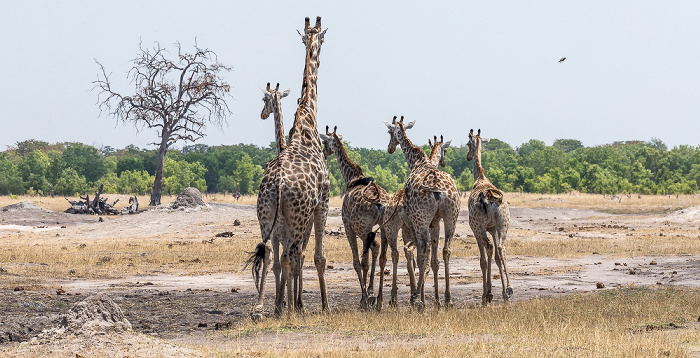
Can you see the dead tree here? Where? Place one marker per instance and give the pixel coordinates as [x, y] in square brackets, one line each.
[133, 207]
[176, 97]
[95, 206]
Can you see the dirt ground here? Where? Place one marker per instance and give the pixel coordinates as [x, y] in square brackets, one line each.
[171, 308]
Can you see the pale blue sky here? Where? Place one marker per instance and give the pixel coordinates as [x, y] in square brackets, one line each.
[632, 69]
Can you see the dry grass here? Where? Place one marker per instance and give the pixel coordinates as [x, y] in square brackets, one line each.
[626, 205]
[615, 323]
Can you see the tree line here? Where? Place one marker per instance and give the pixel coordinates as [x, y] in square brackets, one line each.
[38, 168]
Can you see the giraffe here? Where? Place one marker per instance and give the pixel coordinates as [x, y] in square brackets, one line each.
[295, 190]
[488, 212]
[438, 147]
[362, 209]
[272, 105]
[429, 195]
[272, 99]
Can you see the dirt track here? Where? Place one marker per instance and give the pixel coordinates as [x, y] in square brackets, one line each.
[175, 307]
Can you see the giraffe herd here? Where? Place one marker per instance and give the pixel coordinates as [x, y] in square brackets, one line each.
[294, 193]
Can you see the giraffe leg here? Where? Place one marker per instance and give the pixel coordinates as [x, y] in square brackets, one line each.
[265, 270]
[446, 253]
[375, 252]
[320, 216]
[395, 266]
[483, 262]
[277, 269]
[408, 248]
[422, 240]
[382, 264]
[279, 302]
[352, 240]
[293, 259]
[434, 263]
[300, 291]
[500, 257]
[489, 260]
[365, 264]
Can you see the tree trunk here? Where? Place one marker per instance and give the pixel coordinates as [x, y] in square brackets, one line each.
[158, 182]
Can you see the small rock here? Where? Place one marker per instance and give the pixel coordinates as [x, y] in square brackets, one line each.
[386, 272]
[329, 267]
[571, 235]
[18, 288]
[60, 291]
[617, 264]
[652, 263]
[236, 223]
[202, 325]
[624, 264]
[675, 272]
[234, 289]
[599, 285]
[225, 233]
[632, 272]
[100, 219]
[496, 276]
[658, 283]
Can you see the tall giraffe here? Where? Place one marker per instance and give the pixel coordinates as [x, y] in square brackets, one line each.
[296, 190]
[488, 212]
[362, 209]
[429, 195]
[272, 99]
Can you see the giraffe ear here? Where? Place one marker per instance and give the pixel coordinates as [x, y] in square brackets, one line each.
[263, 90]
[340, 137]
[409, 125]
[446, 145]
[389, 125]
[284, 93]
[485, 140]
[324, 137]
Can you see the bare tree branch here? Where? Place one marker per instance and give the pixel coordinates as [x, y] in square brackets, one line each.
[178, 97]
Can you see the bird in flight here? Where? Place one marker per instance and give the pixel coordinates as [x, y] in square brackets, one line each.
[562, 59]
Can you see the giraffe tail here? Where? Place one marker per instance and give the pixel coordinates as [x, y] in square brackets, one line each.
[484, 204]
[256, 261]
[369, 242]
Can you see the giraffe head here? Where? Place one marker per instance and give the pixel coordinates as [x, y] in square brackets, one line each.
[314, 34]
[397, 130]
[331, 142]
[438, 150]
[474, 143]
[271, 98]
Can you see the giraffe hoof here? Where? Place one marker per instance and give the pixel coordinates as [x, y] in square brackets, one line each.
[393, 303]
[448, 305]
[509, 291]
[256, 317]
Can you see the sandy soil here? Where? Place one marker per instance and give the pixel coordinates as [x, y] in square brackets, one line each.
[165, 309]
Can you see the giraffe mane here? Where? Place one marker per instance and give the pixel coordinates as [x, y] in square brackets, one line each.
[345, 154]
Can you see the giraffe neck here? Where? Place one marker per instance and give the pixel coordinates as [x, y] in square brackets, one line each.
[304, 130]
[350, 170]
[415, 156]
[478, 169]
[434, 158]
[279, 126]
